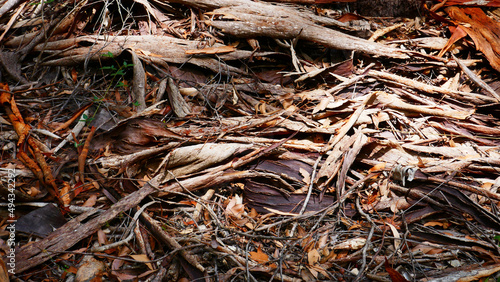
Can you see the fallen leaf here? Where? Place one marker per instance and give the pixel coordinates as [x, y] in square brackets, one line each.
[377, 167]
[235, 207]
[313, 256]
[143, 258]
[395, 276]
[90, 202]
[259, 256]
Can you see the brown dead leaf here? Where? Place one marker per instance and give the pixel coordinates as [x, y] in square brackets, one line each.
[313, 257]
[90, 270]
[445, 224]
[457, 34]
[395, 276]
[253, 213]
[377, 167]
[235, 207]
[259, 256]
[143, 258]
[101, 237]
[426, 249]
[90, 202]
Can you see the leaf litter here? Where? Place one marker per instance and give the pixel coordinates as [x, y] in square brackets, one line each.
[241, 140]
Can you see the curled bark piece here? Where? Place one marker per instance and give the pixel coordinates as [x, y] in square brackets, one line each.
[139, 83]
[394, 102]
[179, 105]
[472, 97]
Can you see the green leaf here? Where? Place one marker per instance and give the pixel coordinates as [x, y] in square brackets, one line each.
[112, 67]
[119, 72]
[44, 2]
[109, 55]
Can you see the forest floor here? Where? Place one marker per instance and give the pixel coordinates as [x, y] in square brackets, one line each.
[248, 141]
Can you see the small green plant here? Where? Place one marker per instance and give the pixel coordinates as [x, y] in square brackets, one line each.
[86, 118]
[44, 2]
[108, 54]
[97, 99]
[117, 72]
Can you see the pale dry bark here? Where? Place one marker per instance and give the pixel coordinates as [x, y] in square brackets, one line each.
[253, 19]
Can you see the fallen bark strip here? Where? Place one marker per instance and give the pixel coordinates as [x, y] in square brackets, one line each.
[453, 131]
[460, 186]
[451, 200]
[262, 19]
[471, 274]
[471, 97]
[157, 49]
[476, 79]
[394, 102]
[351, 121]
[72, 232]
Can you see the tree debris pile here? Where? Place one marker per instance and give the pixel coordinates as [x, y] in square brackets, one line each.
[249, 141]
